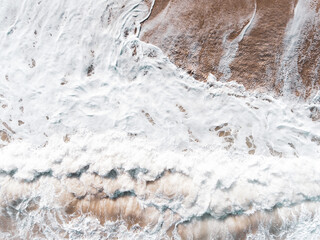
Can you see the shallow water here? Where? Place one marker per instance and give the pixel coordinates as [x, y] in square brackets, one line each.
[105, 138]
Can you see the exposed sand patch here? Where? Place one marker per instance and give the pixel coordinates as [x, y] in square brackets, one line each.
[240, 40]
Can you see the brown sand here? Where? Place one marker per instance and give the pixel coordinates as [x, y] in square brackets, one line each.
[91, 195]
[197, 34]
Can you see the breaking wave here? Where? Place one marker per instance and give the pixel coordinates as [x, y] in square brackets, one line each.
[103, 137]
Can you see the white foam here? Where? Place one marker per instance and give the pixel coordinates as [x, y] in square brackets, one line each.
[137, 110]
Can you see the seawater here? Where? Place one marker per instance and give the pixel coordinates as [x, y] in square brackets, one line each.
[107, 139]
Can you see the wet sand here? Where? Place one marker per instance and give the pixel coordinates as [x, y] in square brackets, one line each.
[204, 37]
[96, 196]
